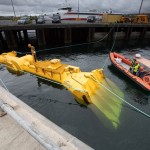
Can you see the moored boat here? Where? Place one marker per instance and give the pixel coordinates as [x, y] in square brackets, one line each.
[67, 13]
[123, 64]
[70, 14]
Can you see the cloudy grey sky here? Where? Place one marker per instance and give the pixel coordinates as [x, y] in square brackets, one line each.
[26, 7]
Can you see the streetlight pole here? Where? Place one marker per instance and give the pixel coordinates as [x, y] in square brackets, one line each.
[140, 7]
[13, 8]
[78, 10]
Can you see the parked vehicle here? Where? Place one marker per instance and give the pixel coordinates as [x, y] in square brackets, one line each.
[40, 20]
[91, 19]
[24, 20]
[56, 18]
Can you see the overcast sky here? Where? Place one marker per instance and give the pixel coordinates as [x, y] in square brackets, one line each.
[26, 7]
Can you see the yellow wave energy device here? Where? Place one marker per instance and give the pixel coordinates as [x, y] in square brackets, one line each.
[85, 86]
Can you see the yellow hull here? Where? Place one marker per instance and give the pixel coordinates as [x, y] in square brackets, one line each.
[87, 87]
[80, 84]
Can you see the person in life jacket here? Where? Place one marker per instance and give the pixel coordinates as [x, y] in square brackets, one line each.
[133, 63]
[136, 68]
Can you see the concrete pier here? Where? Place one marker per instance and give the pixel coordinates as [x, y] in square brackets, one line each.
[11, 39]
[2, 42]
[41, 37]
[61, 34]
[143, 33]
[68, 36]
[22, 125]
[128, 33]
[19, 36]
[2, 112]
[25, 36]
[13, 136]
[90, 36]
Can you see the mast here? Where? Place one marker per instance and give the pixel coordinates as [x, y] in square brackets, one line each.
[13, 8]
[78, 10]
[140, 7]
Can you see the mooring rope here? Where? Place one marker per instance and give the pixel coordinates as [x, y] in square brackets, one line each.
[111, 48]
[74, 45]
[142, 112]
[4, 84]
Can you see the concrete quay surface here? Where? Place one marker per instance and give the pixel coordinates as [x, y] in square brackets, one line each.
[14, 137]
[23, 128]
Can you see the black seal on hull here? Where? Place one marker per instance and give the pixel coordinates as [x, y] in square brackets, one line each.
[85, 99]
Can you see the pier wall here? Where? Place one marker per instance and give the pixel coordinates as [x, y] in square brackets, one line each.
[64, 34]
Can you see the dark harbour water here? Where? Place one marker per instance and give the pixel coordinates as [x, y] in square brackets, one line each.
[58, 105]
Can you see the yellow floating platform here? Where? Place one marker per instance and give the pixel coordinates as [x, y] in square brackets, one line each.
[81, 84]
[87, 87]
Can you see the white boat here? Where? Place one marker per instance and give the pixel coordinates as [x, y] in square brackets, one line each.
[67, 13]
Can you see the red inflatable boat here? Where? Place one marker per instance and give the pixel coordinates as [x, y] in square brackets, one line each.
[123, 64]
